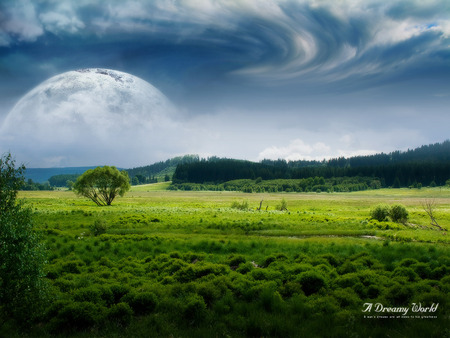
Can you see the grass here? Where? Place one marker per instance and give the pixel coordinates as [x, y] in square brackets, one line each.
[185, 264]
[153, 211]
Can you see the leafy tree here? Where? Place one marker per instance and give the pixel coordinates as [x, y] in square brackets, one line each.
[22, 256]
[380, 212]
[398, 213]
[102, 184]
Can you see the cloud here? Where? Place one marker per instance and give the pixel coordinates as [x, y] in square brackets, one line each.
[18, 21]
[296, 150]
[57, 22]
[278, 40]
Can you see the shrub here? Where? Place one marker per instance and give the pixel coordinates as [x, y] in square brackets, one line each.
[270, 300]
[399, 295]
[89, 294]
[380, 212]
[120, 314]
[118, 291]
[347, 297]
[78, 316]
[240, 206]
[99, 227]
[234, 260]
[407, 262]
[422, 269]
[143, 303]
[212, 291]
[311, 282]
[332, 260]
[194, 309]
[282, 206]
[373, 291]
[409, 273]
[398, 213]
[245, 268]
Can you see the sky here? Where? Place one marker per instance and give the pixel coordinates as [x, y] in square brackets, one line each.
[251, 79]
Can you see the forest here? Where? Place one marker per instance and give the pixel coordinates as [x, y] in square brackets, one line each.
[425, 166]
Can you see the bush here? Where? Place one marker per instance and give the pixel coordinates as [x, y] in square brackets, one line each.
[78, 316]
[120, 314]
[311, 282]
[240, 206]
[380, 212]
[405, 272]
[88, 294]
[398, 213]
[234, 260]
[399, 295]
[282, 206]
[194, 309]
[99, 227]
[143, 303]
[118, 291]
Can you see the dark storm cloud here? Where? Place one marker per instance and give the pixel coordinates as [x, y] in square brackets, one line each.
[277, 41]
[304, 58]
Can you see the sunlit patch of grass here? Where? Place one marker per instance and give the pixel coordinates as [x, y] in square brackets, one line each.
[210, 212]
[151, 187]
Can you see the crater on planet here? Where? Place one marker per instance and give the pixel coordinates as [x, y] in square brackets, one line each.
[102, 71]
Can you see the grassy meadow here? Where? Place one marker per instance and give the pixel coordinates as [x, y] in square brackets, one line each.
[180, 264]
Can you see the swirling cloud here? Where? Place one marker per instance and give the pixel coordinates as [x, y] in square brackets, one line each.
[262, 40]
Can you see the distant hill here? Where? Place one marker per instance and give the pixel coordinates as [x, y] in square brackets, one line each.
[146, 174]
[427, 165]
[41, 175]
[157, 171]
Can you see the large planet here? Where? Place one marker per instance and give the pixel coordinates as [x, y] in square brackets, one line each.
[90, 117]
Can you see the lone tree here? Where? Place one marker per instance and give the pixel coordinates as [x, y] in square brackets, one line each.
[102, 184]
[22, 255]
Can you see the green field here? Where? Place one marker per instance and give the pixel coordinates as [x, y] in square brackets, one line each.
[177, 264]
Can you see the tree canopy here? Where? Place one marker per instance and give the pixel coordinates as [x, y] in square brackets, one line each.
[427, 165]
[102, 184]
[22, 255]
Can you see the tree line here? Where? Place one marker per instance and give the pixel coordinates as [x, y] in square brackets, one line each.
[164, 169]
[310, 184]
[424, 166]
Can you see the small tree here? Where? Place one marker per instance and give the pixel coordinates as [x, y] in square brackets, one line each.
[398, 213]
[380, 212]
[22, 256]
[102, 184]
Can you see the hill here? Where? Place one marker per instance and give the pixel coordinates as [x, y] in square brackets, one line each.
[41, 175]
[159, 170]
[146, 174]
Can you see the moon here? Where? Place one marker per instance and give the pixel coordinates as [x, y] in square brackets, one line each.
[91, 117]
